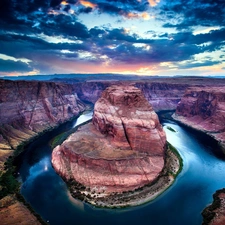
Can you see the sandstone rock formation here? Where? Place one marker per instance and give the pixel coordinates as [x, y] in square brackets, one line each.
[214, 214]
[122, 149]
[162, 93]
[27, 108]
[124, 115]
[204, 109]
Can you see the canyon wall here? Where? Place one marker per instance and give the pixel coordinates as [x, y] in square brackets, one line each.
[123, 149]
[204, 109]
[163, 95]
[28, 108]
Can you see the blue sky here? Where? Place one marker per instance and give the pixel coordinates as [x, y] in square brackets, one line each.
[145, 37]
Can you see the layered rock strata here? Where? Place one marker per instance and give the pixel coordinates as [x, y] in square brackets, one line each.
[28, 108]
[204, 109]
[122, 149]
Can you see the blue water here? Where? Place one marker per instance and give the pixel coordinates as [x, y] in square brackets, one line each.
[181, 204]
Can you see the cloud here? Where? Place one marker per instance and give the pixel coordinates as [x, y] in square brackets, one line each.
[50, 31]
[14, 66]
[153, 2]
[183, 14]
[199, 64]
[88, 4]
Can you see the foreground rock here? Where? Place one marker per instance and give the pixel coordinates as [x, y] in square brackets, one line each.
[204, 109]
[122, 150]
[215, 213]
[14, 212]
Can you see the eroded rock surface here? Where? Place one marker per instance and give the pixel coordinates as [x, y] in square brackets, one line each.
[122, 149]
[28, 108]
[214, 214]
[204, 109]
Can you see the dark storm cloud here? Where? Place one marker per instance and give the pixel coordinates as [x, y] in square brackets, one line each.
[14, 66]
[183, 14]
[29, 47]
[63, 25]
[174, 47]
[121, 6]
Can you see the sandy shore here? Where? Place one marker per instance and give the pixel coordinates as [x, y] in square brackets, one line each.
[173, 166]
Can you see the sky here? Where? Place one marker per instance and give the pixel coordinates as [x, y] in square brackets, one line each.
[143, 37]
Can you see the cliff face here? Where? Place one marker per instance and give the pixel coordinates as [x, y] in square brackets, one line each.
[214, 214]
[121, 150]
[126, 116]
[204, 109]
[164, 95]
[27, 108]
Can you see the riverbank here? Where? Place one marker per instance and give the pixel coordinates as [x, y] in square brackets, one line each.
[214, 213]
[173, 166]
[13, 207]
[220, 148]
[13, 211]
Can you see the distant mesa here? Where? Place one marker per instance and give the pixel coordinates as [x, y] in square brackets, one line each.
[121, 150]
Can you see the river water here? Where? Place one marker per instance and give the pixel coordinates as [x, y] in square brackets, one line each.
[181, 204]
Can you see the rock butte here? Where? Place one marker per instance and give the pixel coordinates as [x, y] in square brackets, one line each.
[122, 149]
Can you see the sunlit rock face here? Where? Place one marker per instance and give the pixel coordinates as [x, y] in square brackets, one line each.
[204, 109]
[124, 115]
[122, 149]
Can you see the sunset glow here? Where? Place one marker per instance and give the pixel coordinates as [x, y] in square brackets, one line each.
[145, 37]
[87, 4]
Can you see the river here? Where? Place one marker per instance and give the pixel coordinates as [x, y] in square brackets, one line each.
[181, 204]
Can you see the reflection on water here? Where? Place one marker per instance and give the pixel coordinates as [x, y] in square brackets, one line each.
[182, 203]
[83, 118]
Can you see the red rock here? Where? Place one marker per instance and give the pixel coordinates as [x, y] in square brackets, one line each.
[204, 109]
[122, 150]
[27, 108]
[125, 115]
[214, 214]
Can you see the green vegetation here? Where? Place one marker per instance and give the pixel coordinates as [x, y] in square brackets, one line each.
[174, 150]
[9, 185]
[171, 129]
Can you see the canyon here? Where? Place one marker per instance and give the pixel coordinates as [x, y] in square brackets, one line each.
[28, 108]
